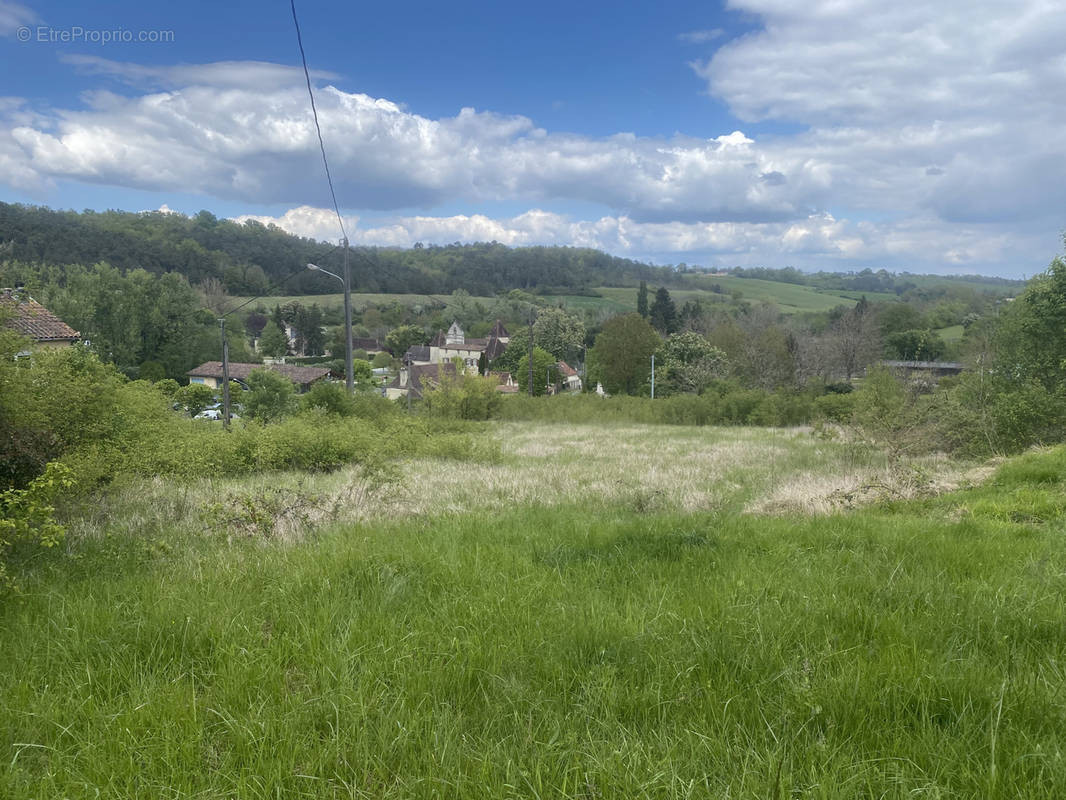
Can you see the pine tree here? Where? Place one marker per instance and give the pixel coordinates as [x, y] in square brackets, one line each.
[663, 312]
[642, 299]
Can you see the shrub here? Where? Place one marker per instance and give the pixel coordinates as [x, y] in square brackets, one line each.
[463, 396]
[270, 396]
[27, 516]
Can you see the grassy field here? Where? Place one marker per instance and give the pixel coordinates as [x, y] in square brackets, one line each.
[604, 612]
[791, 298]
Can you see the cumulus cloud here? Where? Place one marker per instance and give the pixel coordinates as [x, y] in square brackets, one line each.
[894, 93]
[244, 132]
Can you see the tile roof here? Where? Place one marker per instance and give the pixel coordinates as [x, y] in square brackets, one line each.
[239, 371]
[567, 370]
[420, 373]
[417, 352]
[498, 331]
[32, 319]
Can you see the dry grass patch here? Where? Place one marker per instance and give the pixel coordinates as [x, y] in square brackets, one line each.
[635, 467]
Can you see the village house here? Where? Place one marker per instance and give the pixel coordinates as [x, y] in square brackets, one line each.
[24, 315]
[447, 346]
[416, 378]
[210, 374]
[569, 379]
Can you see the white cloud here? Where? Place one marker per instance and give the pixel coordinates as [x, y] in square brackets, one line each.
[702, 36]
[254, 75]
[14, 16]
[818, 241]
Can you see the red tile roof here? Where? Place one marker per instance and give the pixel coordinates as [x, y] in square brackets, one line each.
[32, 319]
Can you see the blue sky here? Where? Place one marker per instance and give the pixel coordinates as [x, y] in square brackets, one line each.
[837, 135]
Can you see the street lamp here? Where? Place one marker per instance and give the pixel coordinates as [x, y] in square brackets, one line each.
[346, 281]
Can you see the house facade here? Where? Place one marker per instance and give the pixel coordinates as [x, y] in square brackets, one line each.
[454, 344]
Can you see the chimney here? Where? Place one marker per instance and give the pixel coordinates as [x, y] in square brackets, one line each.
[403, 377]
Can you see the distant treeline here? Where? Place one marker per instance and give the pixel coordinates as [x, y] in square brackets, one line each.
[251, 258]
[867, 280]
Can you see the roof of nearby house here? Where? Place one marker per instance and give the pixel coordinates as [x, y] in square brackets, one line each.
[566, 370]
[32, 319]
[240, 372]
[420, 373]
[470, 346]
[416, 352]
[366, 344]
[494, 349]
[498, 331]
[930, 365]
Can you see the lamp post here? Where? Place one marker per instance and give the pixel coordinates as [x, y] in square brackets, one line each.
[346, 281]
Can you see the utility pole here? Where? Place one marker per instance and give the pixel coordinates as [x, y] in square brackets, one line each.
[225, 374]
[348, 364]
[653, 376]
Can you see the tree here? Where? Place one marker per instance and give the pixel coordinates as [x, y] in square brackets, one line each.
[916, 345]
[195, 397]
[270, 396]
[622, 353]
[545, 372]
[517, 349]
[642, 299]
[400, 339]
[1030, 339]
[853, 340]
[559, 333]
[273, 342]
[310, 338]
[381, 359]
[691, 363]
[663, 312]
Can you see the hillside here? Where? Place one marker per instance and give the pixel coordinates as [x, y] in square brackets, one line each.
[253, 259]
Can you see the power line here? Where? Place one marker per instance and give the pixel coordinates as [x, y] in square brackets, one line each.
[314, 113]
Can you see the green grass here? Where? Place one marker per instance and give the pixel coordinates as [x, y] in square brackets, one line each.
[791, 298]
[563, 650]
[951, 334]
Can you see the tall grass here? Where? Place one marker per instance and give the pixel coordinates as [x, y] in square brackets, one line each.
[548, 654]
[553, 651]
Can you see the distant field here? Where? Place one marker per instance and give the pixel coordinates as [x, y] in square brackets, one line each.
[790, 298]
[951, 334]
[360, 300]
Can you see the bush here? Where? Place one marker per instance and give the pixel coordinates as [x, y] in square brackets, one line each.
[27, 516]
[463, 396]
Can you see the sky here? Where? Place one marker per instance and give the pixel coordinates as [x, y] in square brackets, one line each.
[829, 134]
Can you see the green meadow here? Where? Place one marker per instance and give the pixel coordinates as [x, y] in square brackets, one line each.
[594, 611]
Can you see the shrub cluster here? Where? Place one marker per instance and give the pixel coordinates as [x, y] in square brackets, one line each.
[726, 403]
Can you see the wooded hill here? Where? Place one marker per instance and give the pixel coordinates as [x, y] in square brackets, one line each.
[254, 259]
